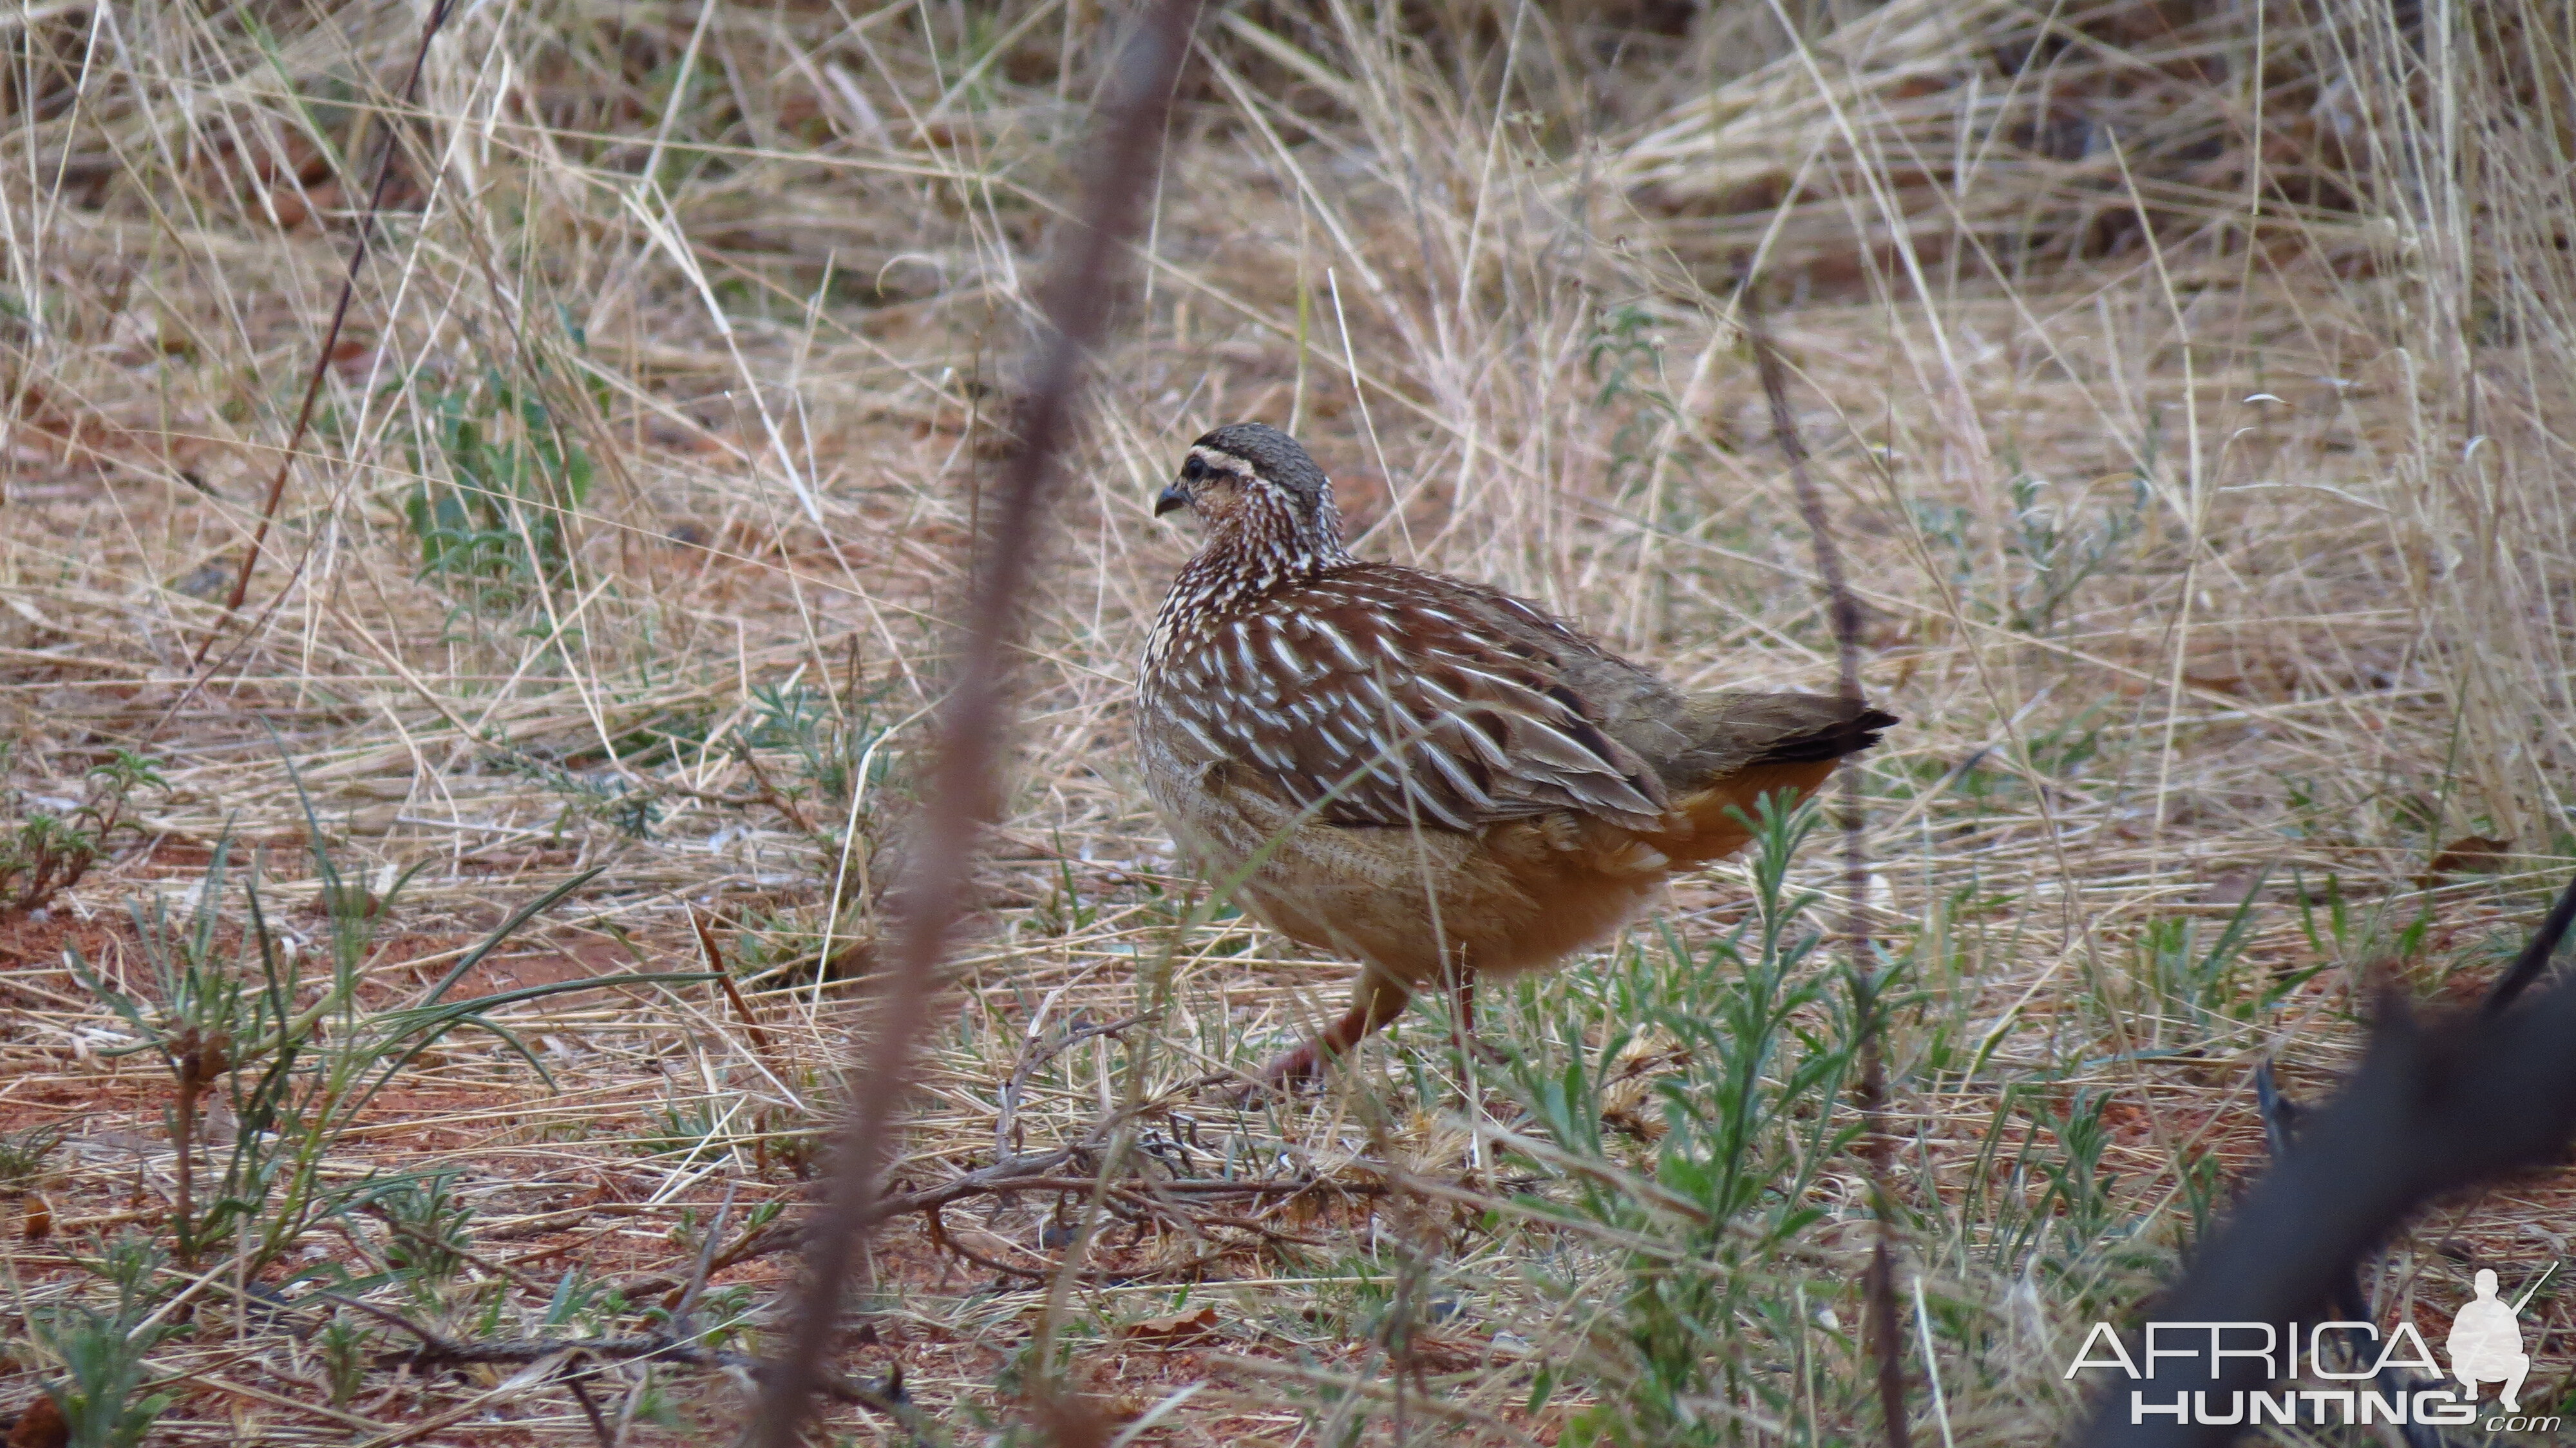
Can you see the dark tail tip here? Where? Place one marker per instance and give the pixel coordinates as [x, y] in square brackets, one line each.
[1833, 741]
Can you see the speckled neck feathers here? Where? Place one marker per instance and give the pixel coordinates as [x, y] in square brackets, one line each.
[1256, 549]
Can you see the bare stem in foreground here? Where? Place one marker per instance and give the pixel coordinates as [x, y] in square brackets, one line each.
[1844, 610]
[962, 786]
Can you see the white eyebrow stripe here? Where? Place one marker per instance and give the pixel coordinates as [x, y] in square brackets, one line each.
[1222, 462]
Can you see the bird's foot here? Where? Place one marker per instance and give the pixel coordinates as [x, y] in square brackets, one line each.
[1303, 1066]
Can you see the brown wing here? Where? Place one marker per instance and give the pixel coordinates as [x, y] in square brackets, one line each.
[1390, 697]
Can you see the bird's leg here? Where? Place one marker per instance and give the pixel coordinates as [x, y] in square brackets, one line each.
[1375, 1002]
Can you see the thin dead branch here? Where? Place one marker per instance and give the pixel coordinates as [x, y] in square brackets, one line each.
[1887, 1342]
[714, 956]
[1035, 1055]
[962, 789]
[393, 127]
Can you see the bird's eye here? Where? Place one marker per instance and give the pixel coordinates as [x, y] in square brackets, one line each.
[1194, 469]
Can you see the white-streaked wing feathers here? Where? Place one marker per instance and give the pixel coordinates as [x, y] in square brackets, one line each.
[1384, 703]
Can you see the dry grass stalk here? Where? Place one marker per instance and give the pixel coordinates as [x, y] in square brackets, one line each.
[330, 336]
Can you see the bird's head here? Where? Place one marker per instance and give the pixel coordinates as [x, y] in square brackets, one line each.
[1253, 486]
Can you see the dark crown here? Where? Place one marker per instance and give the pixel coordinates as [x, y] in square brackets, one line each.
[1273, 455]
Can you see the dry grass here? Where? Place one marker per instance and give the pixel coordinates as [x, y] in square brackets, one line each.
[2196, 426]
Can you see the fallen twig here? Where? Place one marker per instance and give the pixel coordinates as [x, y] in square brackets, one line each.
[1038, 1174]
[589, 1409]
[434, 1352]
[1030, 1060]
[724, 980]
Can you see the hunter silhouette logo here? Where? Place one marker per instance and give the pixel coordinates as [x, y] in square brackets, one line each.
[2486, 1341]
[2344, 1372]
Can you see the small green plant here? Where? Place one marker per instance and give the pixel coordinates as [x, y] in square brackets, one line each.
[2205, 985]
[23, 1154]
[791, 947]
[2079, 1186]
[499, 479]
[1625, 363]
[653, 1405]
[297, 1061]
[105, 1393]
[428, 1226]
[611, 799]
[684, 1130]
[581, 1300]
[344, 1357]
[2050, 550]
[2039, 1200]
[1762, 1047]
[2060, 554]
[726, 1313]
[835, 754]
[1068, 909]
[46, 853]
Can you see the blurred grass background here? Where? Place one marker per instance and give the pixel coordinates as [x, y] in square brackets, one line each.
[2190, 381]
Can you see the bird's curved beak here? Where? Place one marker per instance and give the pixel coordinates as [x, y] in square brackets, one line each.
[1171, 497]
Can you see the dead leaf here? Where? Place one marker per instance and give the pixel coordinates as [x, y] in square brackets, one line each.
[1179, 1327]
[40, 1425]
[2467, 855]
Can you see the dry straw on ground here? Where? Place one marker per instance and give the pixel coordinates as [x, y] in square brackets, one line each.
[2188, 379]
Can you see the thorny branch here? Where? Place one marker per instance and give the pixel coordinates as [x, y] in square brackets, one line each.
[962, 789]
[1844, 609]
[1033, 1056]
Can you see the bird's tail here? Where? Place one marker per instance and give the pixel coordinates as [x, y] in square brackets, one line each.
[1755, 744]
[1848, 734]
